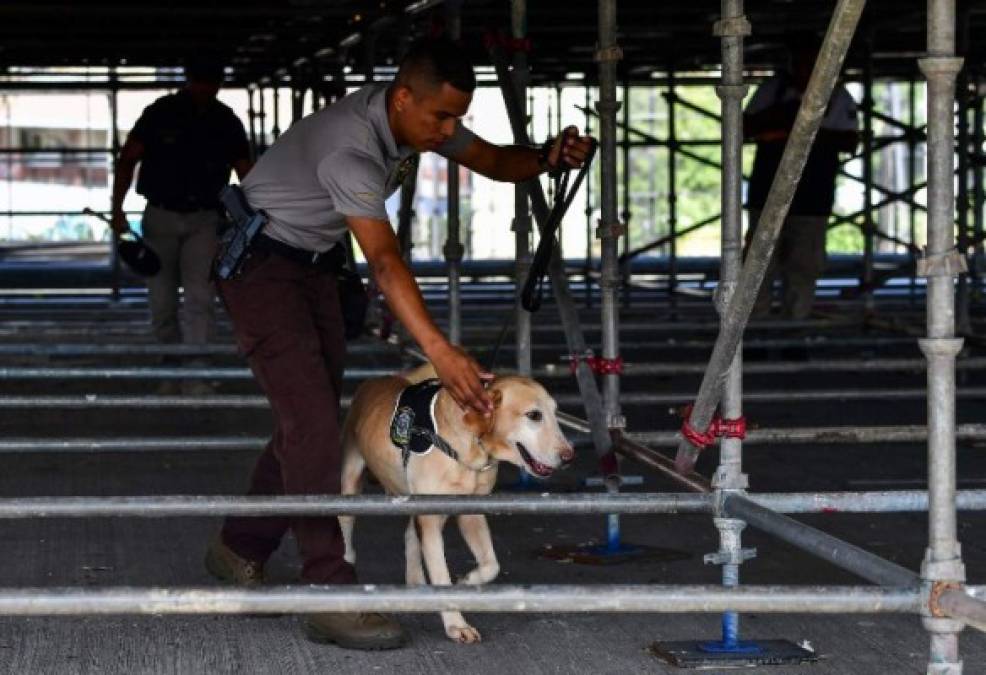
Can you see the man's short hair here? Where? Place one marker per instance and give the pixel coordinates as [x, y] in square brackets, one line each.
[434, 61]
[204, 69]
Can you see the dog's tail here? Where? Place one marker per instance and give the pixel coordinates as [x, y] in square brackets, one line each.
[425, 371]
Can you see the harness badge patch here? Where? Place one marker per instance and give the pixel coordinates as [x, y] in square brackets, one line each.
[400, 429]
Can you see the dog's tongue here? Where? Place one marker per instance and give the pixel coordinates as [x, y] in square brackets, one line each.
[539, 468]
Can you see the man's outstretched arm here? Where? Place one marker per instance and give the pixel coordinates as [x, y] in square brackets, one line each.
[517, 163]
[459, 372]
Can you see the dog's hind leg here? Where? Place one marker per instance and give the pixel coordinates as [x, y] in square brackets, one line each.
[415, 574]
[476, 531]
[433, 550]
[353, 469]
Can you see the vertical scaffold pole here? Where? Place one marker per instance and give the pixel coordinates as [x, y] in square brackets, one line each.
[610, 229]
[978, 193]
[252, 117]
[626, 272]
[941, 263]
[275, 129]
[912, 172]
[729, 478]
[453, 245]
[522, 214]
[588, 210]
[806, 125]
[672, 197]
[869, 220]
[262, 120]
[962, 319]
[115, 270]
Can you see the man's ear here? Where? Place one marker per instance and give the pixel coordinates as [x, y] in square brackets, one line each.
[483, 426]
[402, 97]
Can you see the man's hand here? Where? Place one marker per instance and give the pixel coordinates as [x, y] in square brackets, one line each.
[119, 223]
[569, 149]
[463, 378]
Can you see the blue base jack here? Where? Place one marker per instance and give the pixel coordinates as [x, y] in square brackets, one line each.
[694, 654]
[731, 652]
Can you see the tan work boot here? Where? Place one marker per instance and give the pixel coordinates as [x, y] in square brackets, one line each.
[224, 564]
[356, 630]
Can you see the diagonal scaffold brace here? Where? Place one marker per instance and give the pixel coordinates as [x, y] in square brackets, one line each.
[574, 338]
[823, 79]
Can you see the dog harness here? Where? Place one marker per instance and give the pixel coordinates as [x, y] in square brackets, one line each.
[412, 428]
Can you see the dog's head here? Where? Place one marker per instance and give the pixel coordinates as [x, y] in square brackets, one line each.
[523, 428]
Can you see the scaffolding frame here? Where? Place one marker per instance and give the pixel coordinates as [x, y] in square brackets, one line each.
[938, 593]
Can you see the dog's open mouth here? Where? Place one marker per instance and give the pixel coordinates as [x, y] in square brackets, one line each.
[536, 467]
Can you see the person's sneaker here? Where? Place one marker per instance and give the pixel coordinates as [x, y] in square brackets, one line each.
[224, 564]
[356, 630]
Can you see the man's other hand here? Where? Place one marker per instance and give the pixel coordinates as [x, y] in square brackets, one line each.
[569, 149]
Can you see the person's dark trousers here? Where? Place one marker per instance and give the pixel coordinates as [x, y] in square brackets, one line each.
[288, 324]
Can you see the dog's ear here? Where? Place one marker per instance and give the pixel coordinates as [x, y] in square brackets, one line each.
[483, 426]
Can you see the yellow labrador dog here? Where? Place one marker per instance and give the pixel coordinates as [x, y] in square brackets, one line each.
[386, 431]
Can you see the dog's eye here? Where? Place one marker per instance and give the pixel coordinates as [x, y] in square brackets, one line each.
[535, 416]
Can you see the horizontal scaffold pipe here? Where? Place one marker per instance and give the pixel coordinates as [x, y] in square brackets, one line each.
[551, 371]
[86, 401]
[367, 598]
[141, 349]
[882, 434]
[166, 506]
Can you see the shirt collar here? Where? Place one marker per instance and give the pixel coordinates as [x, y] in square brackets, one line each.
[378, 118]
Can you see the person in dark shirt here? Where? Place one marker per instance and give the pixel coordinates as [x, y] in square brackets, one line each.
[186, 143]
[768, 119]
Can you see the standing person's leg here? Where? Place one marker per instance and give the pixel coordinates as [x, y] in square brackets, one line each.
[273, 307]
[804, 263]
[761, 307]
[198, 248]
[162, 232]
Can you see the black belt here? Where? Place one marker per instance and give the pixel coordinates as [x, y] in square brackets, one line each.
[333, 259]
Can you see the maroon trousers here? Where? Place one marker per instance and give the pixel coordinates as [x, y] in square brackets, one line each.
[288, 324]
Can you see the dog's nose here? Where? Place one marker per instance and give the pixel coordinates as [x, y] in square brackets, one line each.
[567, 454]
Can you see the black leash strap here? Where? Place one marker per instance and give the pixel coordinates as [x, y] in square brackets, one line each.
[533, 292]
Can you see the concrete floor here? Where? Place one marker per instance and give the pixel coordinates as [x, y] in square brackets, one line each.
[119, 552]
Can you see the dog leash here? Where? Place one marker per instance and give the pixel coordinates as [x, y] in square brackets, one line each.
[533, 291]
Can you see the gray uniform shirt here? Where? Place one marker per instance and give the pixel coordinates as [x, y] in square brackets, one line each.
[341, 161]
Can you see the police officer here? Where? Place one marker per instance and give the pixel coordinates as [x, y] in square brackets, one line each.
[330, 174]
[186, 143]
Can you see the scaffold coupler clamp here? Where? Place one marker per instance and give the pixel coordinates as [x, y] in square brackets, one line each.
[938, 576]
[730, 551]
[732, 26]
[599, 365]
[718, 428]
[948, 263]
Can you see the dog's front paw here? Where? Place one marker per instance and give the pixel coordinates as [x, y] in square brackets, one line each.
[464, 634]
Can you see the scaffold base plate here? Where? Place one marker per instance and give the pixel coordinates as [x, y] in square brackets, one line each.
[689, 654]
[601, 554]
